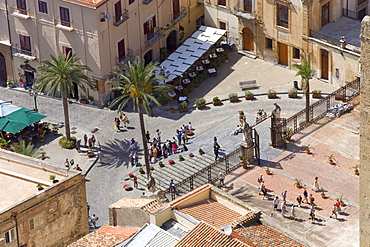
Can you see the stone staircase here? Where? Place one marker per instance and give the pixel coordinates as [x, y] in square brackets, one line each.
[182, 170]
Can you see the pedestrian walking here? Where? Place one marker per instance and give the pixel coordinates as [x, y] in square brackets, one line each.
[264, 193]
[315, 186]
[312, 214]
[125, 120]
[276, 202]
[136, 158]
[78, 145]
[292, 211]
[93, 140]
[299, 200]
[85, 139]
[147, 136]
[311, 199]
[71, 162]
[283, 208]
[90, 141]
[337, 205]
[216, 152]
[100, 156]
[334, 212]
[260, 178]
[158, 135]
[221, 177]
[283, 194]
[77, 167]
[174, 147]
[93, 220]
[135, 182]
[179, 137]
[117, 123]
[172, 186]
[305, 196]
[67, 164]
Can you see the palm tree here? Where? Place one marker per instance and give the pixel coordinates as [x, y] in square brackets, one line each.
[60, 74]
[27, 148]
[305, 72]
[137, 83]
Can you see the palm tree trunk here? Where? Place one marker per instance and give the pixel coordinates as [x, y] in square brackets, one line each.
[307, 101]
[145, 146]
[66, 116]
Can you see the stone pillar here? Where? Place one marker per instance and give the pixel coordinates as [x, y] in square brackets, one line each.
[248, 151]
[365, 134]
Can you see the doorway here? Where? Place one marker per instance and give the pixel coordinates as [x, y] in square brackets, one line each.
[324, 64]
[171, 42]
[148, 57]
[248, 39]
[283, 53]
[3, 75]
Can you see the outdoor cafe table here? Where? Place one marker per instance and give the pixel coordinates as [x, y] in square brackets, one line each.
[192, 75]
[199, 68]
[220, 50]
[206, 62]
[213, 55]
[185, 82]
[172, 95]
[212, 71]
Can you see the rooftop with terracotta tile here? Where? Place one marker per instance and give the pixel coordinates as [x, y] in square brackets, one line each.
[105, 236]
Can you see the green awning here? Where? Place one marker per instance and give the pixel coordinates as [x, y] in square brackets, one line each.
[26, 116]
[11, 126]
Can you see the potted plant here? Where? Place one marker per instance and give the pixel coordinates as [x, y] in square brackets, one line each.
[356, 169]
[83, 101]
[91, 99]
[55, 130]
[131, 175]
[42, 137]
[127, 187]
[323, 193]
[141, 170]
[268, 171]
[298, 183]
[243, 161]
[181, 158]
[3, 143]
[271, 93]
[331, 159]
[151, 168]
[288, 133]
[10, 83]
[308, 148]
[53, 179]
[171, 162]
[339, 97]
[39, 187]
[191, 155]
[293, 93]
[200, 103]
[90, 154]
[248, 95]
[316, 94]
[216, 101]
[160, 163]
[172, 110]
[200, 151]
[233, 97]
[183, 106]
[46, 127]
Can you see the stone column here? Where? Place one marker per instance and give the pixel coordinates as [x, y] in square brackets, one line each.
[365, 134]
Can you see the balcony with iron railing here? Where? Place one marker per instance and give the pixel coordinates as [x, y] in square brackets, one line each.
[121, 19]
[64, 25]
[179, 16]
[240, 12]
[28, 55]
[153, 35]
[128, 57]
[20, 13]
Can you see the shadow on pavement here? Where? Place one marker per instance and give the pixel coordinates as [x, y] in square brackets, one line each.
[115, 153]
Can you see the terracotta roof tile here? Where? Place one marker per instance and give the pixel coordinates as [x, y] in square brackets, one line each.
[86, 3]
[211, 212]
[259, 235]
[146, 204]
[205, 235]
[105, 236]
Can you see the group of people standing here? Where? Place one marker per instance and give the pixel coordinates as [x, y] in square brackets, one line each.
[122, 118]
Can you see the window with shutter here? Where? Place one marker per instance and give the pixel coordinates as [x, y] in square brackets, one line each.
[149, 27]
[64, 17]
[118, 10]
[21, 6]
[25, 42]
[43, 7]
[66, 50]
[131, 1]
[222, 2]
[282, 15]
[121, 50]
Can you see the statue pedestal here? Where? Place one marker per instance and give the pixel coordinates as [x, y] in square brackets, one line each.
[248, 151]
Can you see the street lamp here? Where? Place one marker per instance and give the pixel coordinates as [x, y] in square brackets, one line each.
[33, 94]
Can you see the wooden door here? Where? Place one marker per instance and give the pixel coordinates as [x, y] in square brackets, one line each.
[3, 75]
[248, 41]
[283, 53]
[175, 9]
[324, 64]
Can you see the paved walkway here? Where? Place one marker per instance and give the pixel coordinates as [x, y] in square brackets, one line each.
[106, 179]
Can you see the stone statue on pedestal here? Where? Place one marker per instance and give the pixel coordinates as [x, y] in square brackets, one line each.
[247, 133]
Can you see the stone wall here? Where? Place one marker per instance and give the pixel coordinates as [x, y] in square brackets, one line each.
[127, 217]
[59, 215]
[365, 134]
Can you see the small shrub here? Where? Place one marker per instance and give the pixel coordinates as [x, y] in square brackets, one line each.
[183, 105]
[151, 168]
[215, 99]
[316, 91]
[271, 91]
[248, 93]
[52, 177]
[64, 143]
[293, 91]
[180, 157]
[301, 124]
[3, 142]
[200, 101]
[233, 95]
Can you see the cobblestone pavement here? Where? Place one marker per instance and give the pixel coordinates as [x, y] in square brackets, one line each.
[107, 178]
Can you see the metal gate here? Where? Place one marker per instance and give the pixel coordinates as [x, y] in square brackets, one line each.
[256, 141]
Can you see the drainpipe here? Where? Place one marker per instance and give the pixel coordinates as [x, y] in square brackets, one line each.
[347, 9]
[14, 216]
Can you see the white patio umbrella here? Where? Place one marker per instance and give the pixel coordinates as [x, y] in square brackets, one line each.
[7, 108]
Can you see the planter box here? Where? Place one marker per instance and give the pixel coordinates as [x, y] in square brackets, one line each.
[339, 97]
[233, 99]
[201, 106]
[216, 102]
[84, 101]
[183, 110]
[271, 96]
[316, 95]
[249, 97]
[293, 95]
[172, 110]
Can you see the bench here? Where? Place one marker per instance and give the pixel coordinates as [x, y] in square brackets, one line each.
[248, 84]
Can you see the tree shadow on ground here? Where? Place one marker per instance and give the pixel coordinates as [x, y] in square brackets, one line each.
[116, 153]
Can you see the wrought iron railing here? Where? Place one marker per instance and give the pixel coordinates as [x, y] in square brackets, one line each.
[319, 109]
[227, 164]
[179, 16]
[16, 50]
[350, 14]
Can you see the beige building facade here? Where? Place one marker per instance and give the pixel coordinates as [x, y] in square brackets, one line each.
[54, 216]
[103, 33]
[284, 32]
